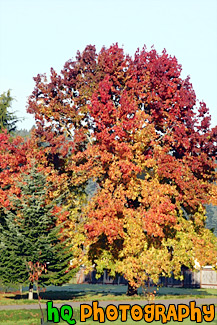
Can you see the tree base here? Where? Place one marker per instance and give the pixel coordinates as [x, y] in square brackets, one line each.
[30, 291]
[132, 290]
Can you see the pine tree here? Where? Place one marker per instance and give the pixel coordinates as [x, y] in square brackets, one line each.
[11, 268]
[29, 234]
[8, 120]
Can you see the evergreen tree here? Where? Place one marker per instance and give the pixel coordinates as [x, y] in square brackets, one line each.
[29, 234]
[12, 270]
[8, 119]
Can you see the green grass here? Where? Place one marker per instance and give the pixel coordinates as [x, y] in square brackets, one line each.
[20, 317]
[82, 292]
[32, 317]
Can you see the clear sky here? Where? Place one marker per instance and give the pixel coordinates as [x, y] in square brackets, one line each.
[36, 35]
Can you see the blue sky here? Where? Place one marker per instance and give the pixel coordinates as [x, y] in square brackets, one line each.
[38, 35]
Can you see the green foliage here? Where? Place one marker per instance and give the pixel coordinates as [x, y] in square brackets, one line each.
[12, 268]
[29, 234]
[7, 119]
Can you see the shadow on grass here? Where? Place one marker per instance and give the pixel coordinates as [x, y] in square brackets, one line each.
[101, 292]
[63, 295]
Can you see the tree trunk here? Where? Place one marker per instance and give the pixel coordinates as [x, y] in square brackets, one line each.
[21, 289]
[132, 290]
[39, 302]
[31, 291]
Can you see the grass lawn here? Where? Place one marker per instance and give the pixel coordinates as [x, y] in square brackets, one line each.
[32, 317]
[82, 292]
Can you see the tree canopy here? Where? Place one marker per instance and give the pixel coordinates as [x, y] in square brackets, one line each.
[135, 127]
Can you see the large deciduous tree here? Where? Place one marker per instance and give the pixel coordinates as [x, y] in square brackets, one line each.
[135, 128]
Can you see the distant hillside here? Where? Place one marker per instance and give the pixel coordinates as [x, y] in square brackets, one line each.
[211, 222]
[23, 133]
[91, 189]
